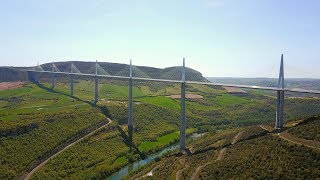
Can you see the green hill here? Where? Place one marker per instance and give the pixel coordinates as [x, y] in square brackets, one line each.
[10, 74]
[245, 153]
[115, 69]
[37, 121]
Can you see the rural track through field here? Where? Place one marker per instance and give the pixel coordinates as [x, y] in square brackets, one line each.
[28, 176]
[291, 138]
[219, 158]
[183, 162]
[221, 154]
[267, 128]
[150, 173]
[236, 138]
[300, 141]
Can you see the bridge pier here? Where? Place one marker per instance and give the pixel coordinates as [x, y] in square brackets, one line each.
[71, 85]
[96, 91]
[130, 106]
[183, 110]
[52, 77]
[96, 84]
[53, 83]
[31, 76]
[280, 109]
[280, 97]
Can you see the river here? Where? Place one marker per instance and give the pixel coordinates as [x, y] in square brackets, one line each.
[134, 166]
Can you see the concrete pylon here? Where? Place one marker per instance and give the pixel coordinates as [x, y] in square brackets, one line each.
[130, 106]
[183, 109]
[96, 84]
[31, 76]
[71, 82]
[280, 97]
[52, 77]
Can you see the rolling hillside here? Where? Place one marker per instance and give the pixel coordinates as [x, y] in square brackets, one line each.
[116, 69]
[50, 119]
[245, 153]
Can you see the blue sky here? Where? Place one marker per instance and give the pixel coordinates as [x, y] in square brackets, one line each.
[242, 38]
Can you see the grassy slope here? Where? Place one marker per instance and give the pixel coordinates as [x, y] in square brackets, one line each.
[259, 157]
[95, 157]
[155, 117]
[162, 101]
[34, 123]
[255, 155]
[309, 129]
[162, 141]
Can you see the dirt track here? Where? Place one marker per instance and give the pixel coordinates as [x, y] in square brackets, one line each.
[309, 143]
[220, 157]
[150, 173]
[188, 96]
[293, 139]
[182, 162]
[28, 176]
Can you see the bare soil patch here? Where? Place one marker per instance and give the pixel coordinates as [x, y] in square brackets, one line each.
[10, 85]
[234, 90]
[267, 128]
[188, 96]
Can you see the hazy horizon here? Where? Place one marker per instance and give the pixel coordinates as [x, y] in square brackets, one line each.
[219, 38]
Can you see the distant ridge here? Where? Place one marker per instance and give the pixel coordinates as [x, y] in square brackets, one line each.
[303, 83]
[115, 69]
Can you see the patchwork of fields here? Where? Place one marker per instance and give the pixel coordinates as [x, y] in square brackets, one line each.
[36, 121]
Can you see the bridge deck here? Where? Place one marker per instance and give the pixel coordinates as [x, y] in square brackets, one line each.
[189, 82]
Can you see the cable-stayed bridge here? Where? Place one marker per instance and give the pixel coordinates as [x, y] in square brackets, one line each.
[133, 73]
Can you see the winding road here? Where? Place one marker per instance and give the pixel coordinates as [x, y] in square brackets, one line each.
[28, 176]
[291, 138]
[221, 154]
[300, 141]
[150, 173]
[182, 162]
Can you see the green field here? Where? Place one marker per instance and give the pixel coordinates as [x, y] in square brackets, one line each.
[95, 157]
[162, 101]
[162, 141]
[36, 121]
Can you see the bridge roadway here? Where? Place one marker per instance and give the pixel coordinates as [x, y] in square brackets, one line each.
[188, 82]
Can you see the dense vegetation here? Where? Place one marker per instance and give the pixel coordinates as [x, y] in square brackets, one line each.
[23, 146]
[256, 154]
[267, 157]
[36, 121]
[308, 129]
[95, 157]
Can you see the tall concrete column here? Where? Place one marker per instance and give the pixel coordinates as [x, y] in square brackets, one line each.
[280, 97]
[52, 76]
[96, 84]
[130, 106]
[31, 76]
[71, 81]
[71, 85]
[183, 110]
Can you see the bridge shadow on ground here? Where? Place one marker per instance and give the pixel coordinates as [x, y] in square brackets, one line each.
[128, 141]
[126, 138]
[93, 104]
